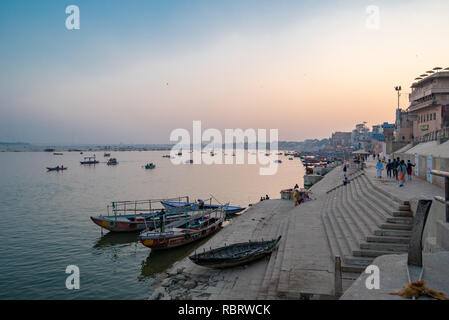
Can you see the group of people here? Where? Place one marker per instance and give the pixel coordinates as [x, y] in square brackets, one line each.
[265, 198]
[397, 168]
[300, 196]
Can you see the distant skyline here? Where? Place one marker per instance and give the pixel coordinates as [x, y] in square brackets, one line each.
[136, 70]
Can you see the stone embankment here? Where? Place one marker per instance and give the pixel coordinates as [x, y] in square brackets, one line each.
[360, 221]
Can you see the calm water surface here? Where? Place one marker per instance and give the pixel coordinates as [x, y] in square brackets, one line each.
[46, 226]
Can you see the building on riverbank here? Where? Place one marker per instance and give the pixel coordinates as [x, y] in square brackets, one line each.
[429, 103]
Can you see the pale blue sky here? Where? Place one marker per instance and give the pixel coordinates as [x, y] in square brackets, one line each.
[138, 69]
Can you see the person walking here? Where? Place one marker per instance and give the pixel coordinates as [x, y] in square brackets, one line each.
[295, 197]
[395, 168]
[389, 168]
[345, 169]
[402, 170]
[380, 168]
[409, 170]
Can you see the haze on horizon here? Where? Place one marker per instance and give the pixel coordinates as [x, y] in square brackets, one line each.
[136, 70]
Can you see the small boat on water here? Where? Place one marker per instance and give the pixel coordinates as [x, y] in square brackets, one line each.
[166, 156]
[184, 231]
[90, 160]
[229, 210]
[150, 165]
[58, 168]
[57, 153]
[277, 161]
[235, 255]
[107, 155]
[112, 162]
[129, 216]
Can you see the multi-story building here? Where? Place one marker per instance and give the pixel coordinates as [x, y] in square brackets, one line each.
[361, 137]
[429, 103]
[340, 139]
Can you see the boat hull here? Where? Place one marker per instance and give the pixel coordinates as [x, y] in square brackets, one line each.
[179, 239]
[218, 258]
[121, 225]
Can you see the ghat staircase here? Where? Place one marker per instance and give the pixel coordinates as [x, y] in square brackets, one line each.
[363, 221]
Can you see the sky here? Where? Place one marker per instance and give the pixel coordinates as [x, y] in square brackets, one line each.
[138, 69]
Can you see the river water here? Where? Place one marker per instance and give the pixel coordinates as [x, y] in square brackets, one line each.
[46, 226]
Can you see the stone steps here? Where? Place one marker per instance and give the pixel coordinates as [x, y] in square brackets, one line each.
[388, 239]
[384, 246]
[361, 223]
[392, 233]
[396, 226]
[267, 281]
[402, 214]
[275, 275]
[371, 253]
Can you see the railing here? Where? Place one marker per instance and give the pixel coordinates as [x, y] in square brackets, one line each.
[444, 200]
[434, 135]
[139, 206]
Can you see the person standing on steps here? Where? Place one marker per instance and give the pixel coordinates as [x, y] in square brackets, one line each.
[380, 168]
[402, 170]
[395, 168]
[409, 170]
[389, 166]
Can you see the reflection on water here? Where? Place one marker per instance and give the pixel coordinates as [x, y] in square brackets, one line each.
[160, 260]
[112, 239]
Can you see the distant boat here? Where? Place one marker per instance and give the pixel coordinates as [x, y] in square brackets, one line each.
[107, 155]
[90, 160]
[166, 156]
[57, 153]
[112, 162]
[235, 254]
[58, 168]
[150, 165]
[277, 161]
[290, 158]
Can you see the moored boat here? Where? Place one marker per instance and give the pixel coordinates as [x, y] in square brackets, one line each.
[128, 216]
[184, 231]
[229, 210]
[235, 254]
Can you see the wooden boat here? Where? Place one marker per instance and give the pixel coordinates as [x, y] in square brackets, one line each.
[229, 210]
[90, 160]
[112, 162]
[235, 255]
[58, 168]
[184, 231]
[138, 215]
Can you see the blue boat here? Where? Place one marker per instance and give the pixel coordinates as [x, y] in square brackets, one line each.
[229, 210]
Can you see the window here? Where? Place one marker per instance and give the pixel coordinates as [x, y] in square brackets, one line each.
[434, 116]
